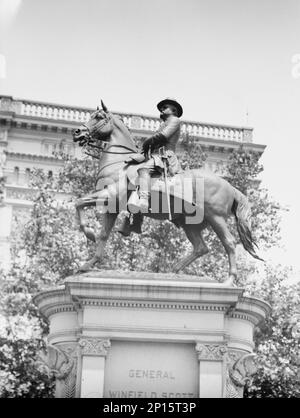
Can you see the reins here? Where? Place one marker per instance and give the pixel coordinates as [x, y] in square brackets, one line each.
[105, 148]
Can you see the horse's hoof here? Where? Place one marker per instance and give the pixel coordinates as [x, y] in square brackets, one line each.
[229, 282]
[176, 270]
[89, 265]
[84, 268]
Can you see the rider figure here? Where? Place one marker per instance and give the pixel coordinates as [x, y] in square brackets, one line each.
[167, 137]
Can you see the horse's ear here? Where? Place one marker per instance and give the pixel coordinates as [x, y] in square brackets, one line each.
[104, 107]
[98, 108]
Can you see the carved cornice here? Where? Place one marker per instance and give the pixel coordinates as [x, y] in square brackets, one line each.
[131, 290]
[154, 305]
[59, 309]
[243, 316]
[94, 347]
[208, 351]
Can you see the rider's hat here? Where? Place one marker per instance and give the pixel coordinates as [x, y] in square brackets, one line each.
[172, 102]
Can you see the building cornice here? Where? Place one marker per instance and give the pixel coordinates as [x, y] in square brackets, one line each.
[22, 156]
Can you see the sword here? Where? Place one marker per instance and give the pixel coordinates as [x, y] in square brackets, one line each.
[164, 159]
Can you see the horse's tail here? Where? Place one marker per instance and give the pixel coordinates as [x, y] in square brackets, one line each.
[242, 211]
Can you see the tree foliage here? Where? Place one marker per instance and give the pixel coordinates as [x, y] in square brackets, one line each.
[277, 346]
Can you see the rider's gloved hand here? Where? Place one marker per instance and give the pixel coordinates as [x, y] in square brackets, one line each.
[147, 144]
[155, 141]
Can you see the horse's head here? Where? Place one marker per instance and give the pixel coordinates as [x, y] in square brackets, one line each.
[99, 127]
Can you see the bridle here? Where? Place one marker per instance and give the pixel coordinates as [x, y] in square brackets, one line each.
[105, 146]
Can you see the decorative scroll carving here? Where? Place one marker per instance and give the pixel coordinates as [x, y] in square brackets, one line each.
[62, 362]
[94, 347]
[240, 368]
[210, 351]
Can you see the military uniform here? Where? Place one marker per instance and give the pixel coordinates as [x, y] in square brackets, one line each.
[167, 136]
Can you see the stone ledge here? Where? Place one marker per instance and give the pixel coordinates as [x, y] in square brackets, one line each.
[140, 291]
[141, 275]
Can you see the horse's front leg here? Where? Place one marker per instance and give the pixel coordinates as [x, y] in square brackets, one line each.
[88, 201]
[108, 222]
[81, 218]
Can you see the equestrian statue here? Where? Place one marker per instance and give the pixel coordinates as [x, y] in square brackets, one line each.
[152, 183]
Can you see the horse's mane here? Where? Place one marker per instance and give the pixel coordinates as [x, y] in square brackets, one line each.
[119, 121]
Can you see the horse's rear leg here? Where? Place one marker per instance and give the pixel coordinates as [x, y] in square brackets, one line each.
[194, 234]
[220, 227]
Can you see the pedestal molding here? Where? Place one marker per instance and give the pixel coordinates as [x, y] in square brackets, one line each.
[213, 325]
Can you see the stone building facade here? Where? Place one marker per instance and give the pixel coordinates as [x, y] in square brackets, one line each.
[31, 131]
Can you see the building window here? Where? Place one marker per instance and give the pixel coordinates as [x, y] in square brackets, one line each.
[16, 175]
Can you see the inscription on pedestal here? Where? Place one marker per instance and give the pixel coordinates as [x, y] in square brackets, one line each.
[150, 370]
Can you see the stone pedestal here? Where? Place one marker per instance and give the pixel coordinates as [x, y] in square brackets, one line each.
[117, 334]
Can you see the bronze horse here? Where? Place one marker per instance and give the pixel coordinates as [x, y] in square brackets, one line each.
[221, 199]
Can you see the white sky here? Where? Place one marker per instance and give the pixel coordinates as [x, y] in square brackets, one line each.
[217, 57]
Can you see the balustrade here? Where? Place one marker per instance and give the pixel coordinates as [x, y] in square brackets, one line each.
[132, 121]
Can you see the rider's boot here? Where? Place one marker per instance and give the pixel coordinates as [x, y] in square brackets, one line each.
[126, 228]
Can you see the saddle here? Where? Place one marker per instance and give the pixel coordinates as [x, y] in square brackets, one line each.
[183, 188]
